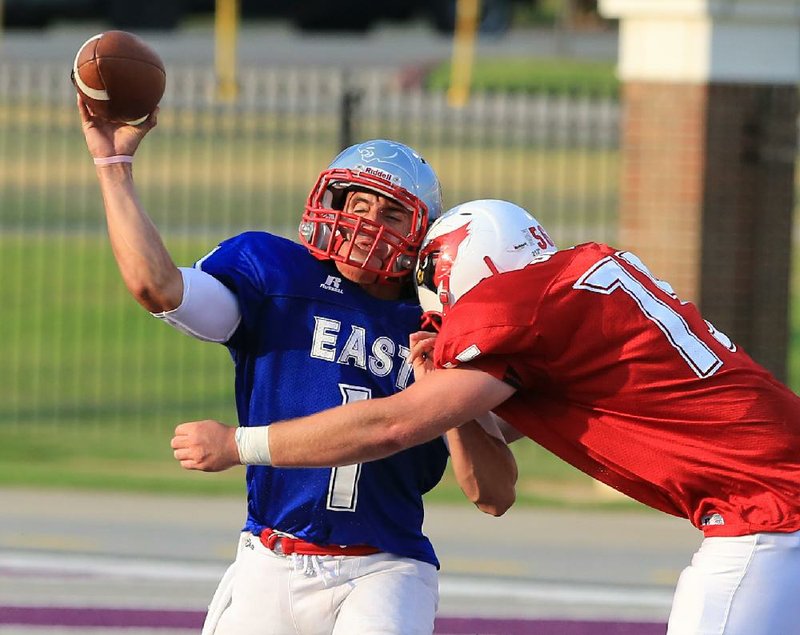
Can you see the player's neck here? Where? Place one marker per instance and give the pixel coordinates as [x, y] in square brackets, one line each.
[367, 281]
[382, 291]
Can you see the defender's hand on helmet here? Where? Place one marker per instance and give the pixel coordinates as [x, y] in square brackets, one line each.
[421, 356]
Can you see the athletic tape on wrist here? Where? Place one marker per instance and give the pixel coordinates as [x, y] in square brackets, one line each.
[253, 445]
[117, 158]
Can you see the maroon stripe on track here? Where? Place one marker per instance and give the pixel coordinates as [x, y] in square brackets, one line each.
[490, 626]
[78, 617]
[100, 617]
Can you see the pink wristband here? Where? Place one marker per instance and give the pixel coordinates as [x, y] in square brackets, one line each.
[118, 158]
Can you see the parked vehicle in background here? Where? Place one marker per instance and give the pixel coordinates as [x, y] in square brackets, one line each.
[123, 14]
[361, 14]
[309, 15]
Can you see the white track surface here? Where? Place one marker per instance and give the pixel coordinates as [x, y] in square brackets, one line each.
[74, 549]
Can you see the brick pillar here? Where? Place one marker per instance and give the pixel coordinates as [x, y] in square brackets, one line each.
[662, 171]
[709, 145]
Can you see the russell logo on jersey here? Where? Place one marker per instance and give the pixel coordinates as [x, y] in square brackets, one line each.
[713, 519]
[332, 283]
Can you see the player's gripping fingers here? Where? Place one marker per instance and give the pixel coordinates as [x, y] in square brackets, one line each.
[421, 344]
[421, 354]
[152, 121]
[183, 430]
[83, 110]
[188, 446]
[184, 452]
[422, 336]
[185, 458]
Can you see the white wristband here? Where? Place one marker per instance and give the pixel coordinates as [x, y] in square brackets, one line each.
[253, 445]
[117, 158]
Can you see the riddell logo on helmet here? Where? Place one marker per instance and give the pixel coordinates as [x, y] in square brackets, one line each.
[382, 175]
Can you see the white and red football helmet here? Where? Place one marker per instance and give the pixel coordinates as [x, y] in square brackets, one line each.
[471, 242]
[387, 168]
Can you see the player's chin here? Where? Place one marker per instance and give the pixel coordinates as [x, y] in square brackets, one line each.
[357, 274]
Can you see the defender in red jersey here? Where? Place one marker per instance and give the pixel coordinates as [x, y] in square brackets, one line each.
[587, 353]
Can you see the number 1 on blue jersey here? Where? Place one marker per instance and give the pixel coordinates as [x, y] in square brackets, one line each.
[343, 486]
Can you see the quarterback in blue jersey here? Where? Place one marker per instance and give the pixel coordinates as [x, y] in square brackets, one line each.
[310, 326]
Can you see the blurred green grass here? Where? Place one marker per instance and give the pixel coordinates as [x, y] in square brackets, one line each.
[551, 76]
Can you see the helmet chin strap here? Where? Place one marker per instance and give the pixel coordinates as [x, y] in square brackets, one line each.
[432, 319]
[446, 298]
[444, 295]
[338, 240]
[492, 267]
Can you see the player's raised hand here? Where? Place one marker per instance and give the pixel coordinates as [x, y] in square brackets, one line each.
[421, 344]
[209, 446]
[109, 138]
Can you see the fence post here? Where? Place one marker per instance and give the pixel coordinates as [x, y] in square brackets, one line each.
[348, 111]
[226, 31]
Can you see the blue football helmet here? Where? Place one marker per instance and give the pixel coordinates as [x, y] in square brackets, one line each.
[389, 169]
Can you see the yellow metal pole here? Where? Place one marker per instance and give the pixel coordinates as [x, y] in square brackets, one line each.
[467, 12]
[226, 28]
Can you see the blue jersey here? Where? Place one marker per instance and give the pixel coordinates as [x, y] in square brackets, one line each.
[310, 340]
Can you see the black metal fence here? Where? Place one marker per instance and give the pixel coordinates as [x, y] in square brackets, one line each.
[78, 352]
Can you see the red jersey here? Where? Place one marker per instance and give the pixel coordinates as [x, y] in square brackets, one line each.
[621, 379]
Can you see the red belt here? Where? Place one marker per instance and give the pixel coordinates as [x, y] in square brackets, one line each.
[285, 545]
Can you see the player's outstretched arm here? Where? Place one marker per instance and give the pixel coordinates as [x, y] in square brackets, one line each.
[375, 428]
[353, 433]
[144, 262]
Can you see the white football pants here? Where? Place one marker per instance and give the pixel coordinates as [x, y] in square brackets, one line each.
[747, 585]
[264, 593]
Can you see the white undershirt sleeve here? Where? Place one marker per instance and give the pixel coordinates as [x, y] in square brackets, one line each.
[208, 311]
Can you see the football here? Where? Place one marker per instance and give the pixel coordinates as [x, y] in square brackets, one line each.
[120, 77]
